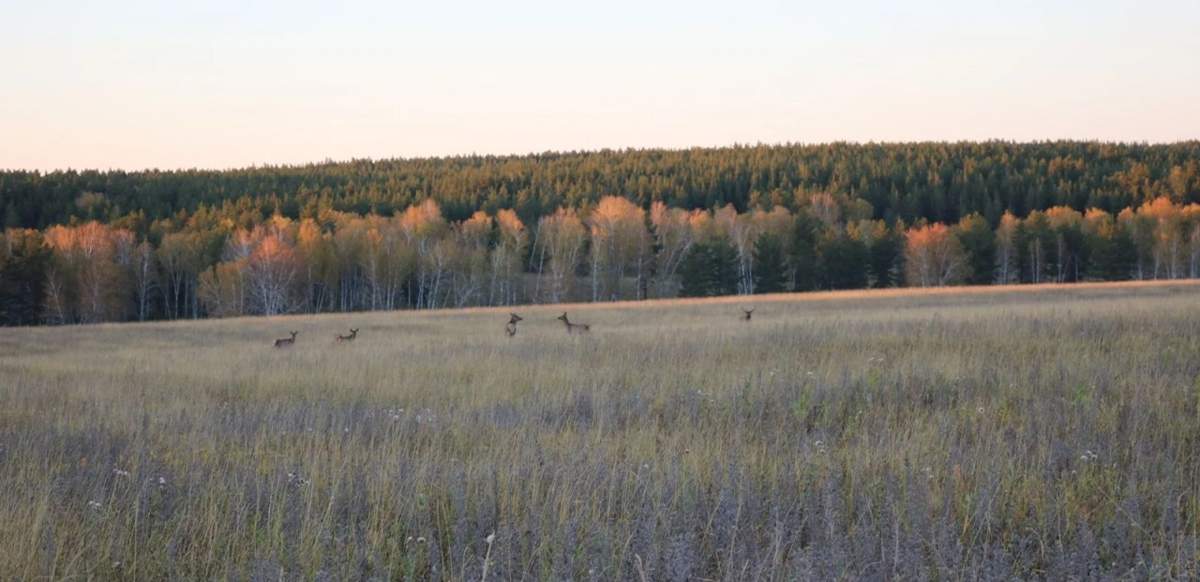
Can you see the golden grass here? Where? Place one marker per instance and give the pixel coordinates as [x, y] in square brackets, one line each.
[844, 434]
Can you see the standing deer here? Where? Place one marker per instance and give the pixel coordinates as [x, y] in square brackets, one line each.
[284, 342]
[746, 313]
[572, 328]
[511, 327]
[348, 338]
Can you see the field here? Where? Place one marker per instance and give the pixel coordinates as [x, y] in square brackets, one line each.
[985, 433]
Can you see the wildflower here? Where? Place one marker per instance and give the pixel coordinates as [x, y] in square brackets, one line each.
[979, 410]
[491, 538]
[121, 473]
[421, 540]
[95, 504]
[162, 480]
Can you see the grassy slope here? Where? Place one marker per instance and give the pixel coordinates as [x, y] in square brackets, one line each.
[1038, 432]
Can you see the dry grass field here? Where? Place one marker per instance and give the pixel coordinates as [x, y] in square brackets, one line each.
[992, 433]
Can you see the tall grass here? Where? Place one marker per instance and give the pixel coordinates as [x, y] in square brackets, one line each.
[984, 434]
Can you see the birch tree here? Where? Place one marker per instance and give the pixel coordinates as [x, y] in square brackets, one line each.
[562, 236]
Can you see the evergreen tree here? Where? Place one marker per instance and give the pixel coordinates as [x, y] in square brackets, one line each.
[1113, 258]
[710, 269]
[770, 266]
[11, 218]
[885, 250]
[802, 254]
[979, 243]
[24, 260]
[842, 262]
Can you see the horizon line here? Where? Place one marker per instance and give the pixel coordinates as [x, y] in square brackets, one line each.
[584, 151]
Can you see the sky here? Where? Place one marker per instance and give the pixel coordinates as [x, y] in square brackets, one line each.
[223, 84]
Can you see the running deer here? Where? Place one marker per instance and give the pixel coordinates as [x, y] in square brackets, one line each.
[746, 313]
[511, 327]
[572, 328]
[348, 338]
[284, 342]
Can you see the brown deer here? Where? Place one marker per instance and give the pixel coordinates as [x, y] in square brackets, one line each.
[511, 327]
[348, 338]
[573, 328]
[284, 342]
[746, 313]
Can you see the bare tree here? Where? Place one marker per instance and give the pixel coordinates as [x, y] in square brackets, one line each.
[512, 243]
[673, 237]
[145, 277]
[423, 227]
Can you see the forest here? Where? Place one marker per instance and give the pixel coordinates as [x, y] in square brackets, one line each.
[82, 247]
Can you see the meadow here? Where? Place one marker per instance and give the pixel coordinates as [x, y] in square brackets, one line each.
[1044, 432]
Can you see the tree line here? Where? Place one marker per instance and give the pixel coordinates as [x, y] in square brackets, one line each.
[213, 263]
[938, 182]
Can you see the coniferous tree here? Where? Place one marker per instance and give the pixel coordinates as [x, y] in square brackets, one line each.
[979, 245]
[842, 261]
[770, 265]
[802, 256]
[886, 250]
[1113, 258]
[24, 260]
[710, 269]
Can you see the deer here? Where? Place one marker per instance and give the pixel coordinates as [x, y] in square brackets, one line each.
[573, 328]
[348, 338]
[746, 313]
[284, 342]
[511, 327]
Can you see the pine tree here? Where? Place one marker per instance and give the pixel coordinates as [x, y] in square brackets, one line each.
[710, 269]
[24, 261]
[885, 252]
[770, 268]
[1113, 258]
[842, 262]
[802, 254]
[724, 267]
[979, 243]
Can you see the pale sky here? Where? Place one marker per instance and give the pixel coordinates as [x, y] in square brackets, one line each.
[222, 84]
